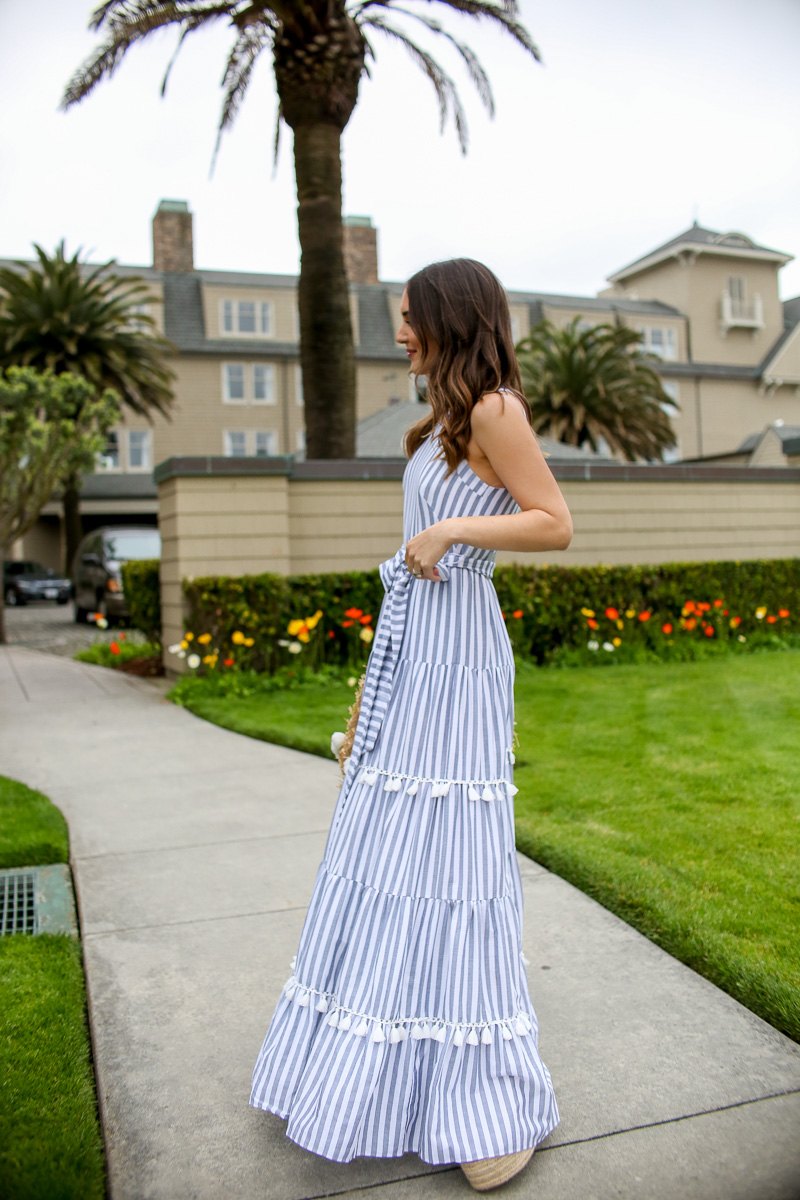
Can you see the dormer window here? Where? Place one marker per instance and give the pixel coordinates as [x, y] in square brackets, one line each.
[246, 318]
[737, 311]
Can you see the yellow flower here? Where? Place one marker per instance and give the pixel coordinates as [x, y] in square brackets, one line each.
[620, 623]
[184, 644]
[617, 641]
[204, 639]
[304, 635]
[366, 634]
[630, 613]
[311, 622]
[248, 641]
[189, 636]
[588, 612]
[238, 638]
[294, 627]
[761, 612]
[210, 659]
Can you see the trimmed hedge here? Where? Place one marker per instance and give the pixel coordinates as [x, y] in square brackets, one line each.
[552, 614]
[140, 581]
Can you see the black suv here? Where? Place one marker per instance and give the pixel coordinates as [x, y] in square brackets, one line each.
[96, 572]
[24, 581]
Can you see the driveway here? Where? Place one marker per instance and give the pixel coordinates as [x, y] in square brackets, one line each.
[51, 627]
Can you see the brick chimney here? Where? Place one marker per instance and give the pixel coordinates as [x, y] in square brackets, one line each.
[172, 237]
[360, 250]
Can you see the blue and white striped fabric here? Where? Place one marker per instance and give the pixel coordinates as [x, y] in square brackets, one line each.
[406, 1024]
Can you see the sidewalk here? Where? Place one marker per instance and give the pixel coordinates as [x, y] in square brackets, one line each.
[194, 852]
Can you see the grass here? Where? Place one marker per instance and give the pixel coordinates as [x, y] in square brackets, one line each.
[32, 830]
[667, 791]
[51, 1146]
[101, 654]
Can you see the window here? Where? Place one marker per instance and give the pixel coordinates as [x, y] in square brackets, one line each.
[233, 383]
[301, 441]
[108, 459]
[264, 383]
[737, 289]
[139, 450]
[658, 341]
[671, 388]
[266, 443]
[298, 385]
[235, 441]
[249, 317]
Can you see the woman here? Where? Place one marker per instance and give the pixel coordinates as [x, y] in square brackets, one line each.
[407, 1024]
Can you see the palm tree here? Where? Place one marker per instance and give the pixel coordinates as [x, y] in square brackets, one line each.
[588, 384]
[320, 50]
[61, 315]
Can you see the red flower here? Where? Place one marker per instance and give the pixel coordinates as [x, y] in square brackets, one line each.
[227, 662]
[592, 623]
[690, 623]
[718, 603]
[783, 612]
[709, 631]
[666, 627]
[122, 637]
[365, 620]
[645, 616]
[725, 612]
[354, 613]
[331, 633]
[517, 613]
[771, 620]
[735, 622]
[612, 614]
[114, 647]
[690, 606]
[347, 624]
[502, 614]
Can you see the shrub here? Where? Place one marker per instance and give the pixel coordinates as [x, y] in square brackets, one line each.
[141, 584]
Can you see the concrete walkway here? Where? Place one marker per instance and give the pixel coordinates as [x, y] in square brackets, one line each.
[194, 852]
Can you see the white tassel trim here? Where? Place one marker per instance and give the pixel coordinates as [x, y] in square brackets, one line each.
[439, 787]
[378, 1030]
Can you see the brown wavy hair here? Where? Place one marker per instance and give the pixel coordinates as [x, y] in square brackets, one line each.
[459, 313]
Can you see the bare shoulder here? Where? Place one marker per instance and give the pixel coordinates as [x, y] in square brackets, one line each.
[496, 406]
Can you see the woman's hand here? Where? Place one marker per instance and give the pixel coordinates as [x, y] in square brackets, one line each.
[425, 549]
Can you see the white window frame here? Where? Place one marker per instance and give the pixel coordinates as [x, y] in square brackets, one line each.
[668, 351]
[227, 442]
[100, 464]
[298, 386]
[269, 376]
[226, 395]
[272, 440]
[230, 313]
[301, 441]
[147, 447]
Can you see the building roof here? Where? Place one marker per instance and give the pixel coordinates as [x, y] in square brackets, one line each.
[698, 240]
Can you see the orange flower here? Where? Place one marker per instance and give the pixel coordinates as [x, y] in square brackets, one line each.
[366, 620]
[709, 630]
[689, 607]
[592, 623]
[645, 616]
[703, 606]
[771, 620]
[718, 603]
[783, 612]
[347, 624]
[354, 613]
[227, 662]
[691, 623]
[735, 622]
[517, 613]
[114, 647]
[122, 637]
[612, 614]
[666, 627]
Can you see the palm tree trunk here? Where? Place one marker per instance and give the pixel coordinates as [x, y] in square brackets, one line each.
[326, 336]
[73, 529]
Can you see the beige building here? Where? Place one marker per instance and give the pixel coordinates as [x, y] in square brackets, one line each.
[706, 304]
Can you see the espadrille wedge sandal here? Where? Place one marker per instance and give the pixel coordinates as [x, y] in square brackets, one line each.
[488, 1173]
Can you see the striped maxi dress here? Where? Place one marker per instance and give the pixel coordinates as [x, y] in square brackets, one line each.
[406, 1024]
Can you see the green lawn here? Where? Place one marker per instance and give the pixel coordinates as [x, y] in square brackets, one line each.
[51, 1147]
[669, 792]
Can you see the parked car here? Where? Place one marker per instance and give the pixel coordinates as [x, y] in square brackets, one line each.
[97, 570]
[24, 581]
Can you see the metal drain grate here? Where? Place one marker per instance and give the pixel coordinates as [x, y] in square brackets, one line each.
[18, 907]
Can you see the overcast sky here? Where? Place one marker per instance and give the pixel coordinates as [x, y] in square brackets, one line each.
[643, 117]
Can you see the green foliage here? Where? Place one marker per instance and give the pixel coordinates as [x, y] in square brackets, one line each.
[112, 654]
[142, 587]
[32, 830]
[51, 1145]
[51, 426]
[584, 385]
[62, 316]
[544, 607]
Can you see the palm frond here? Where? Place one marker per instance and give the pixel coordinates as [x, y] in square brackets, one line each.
[446, 91]
[504, 13]
[476, 72]
[238, 73]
